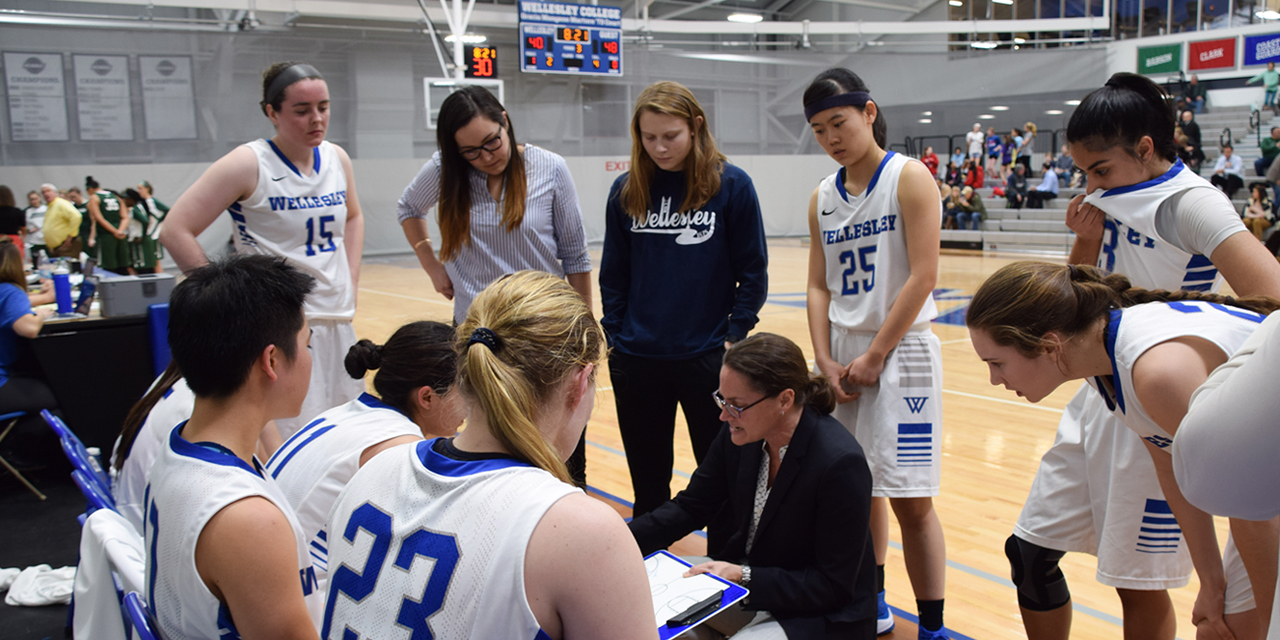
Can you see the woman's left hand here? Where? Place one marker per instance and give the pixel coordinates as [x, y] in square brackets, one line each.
[730, 572]
[865, 370]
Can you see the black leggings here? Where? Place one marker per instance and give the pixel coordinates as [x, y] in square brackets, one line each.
[31, 436]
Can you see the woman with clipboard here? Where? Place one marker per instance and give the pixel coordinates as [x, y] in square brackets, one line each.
[800, 500]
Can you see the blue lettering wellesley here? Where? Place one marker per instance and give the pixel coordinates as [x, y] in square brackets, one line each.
[863, 230]
[283, 203]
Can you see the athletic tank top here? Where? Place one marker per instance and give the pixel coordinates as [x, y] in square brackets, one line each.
[1134, 330]
[315, 463]
[130, 485]
[1132, 245]
[109, 206]
[189, 484]
[865, 246]
[436, 545]
[302, 218]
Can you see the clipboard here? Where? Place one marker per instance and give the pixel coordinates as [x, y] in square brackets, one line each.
[672, 593]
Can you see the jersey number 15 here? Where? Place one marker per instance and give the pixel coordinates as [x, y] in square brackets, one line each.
[326, 236]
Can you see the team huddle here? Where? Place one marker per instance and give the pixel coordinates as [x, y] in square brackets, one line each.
[375, 516]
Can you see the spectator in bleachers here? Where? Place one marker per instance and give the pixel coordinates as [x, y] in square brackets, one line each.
[1257, 212]
[1065, 166]
[952, 176]
[1192, 130]
[994, 146]
[951, 208]
[975, 140]
[1273, 179]
[1027, 147]
[1007, 148]
[1015, 188]
[957, 157]
[1228, 171]
[944, 191]
[1045, 191]
[930, 160]
[1269, 151]
[1270, 82]
[971, 209]
[973, 175]
[1193, 96]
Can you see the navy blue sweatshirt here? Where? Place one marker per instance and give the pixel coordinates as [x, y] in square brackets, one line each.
[679, 284]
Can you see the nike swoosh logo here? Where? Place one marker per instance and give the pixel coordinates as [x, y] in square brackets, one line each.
[279, 179]
[827, 213]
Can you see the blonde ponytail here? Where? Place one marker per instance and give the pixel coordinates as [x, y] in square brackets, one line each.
[531, 330]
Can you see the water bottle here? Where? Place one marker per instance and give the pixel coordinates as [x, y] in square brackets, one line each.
[95, 459]
[62, 288]
[43, 268]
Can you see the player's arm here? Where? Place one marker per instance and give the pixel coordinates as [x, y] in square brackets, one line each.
[584, 575]
[921, 223]
[1247, 266]
[95, 211]
[353, 234]
[817, 307]
[232, 178]
[248, 557]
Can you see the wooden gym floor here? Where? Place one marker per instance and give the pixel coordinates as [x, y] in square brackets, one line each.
[992, 443]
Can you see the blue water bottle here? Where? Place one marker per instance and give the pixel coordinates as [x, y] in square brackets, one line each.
[62, 288]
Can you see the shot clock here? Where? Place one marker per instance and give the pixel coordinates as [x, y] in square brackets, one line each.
[482, 62]
[570, 38]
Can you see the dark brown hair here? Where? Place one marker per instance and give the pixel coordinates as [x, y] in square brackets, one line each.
[11, 268]
[138, 414]
[773, 364]
[419, 354]
[6, 196]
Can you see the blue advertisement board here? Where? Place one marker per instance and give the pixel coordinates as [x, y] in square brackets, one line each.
[570, 38]
[1261, 49]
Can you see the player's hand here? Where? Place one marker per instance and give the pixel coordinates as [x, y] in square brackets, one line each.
[440, 280]
[730, 572]
[1207, 614]
[120, 233]
[834, 372]
[1085, 220]
[865, 370]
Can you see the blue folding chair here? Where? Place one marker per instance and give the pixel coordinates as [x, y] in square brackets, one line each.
[97, 498]
[158, 334]
[13, 418]
[76, 452]
[137, 613]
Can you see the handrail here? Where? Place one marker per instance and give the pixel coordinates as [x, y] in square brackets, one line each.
[1224, 138]
[1255, 122]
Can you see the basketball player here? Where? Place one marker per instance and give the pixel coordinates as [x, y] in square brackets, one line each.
[145, 432]
[873, 261]
[482, 535]
[416, 368]
[292, 196]
[1149, 218]
[225, 554]
[1039, 325]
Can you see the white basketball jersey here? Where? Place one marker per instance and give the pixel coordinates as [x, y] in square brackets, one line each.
[1132, 245]
[315, 464]
[1134, 330]
[865, 245]
[130, 485]
[301, 218]
[469, 522]
[190, 483]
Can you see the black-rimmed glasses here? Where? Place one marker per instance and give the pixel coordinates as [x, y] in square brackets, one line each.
[733, 410]
[491, 145]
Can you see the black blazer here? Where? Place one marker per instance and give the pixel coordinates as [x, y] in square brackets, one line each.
[812, 564]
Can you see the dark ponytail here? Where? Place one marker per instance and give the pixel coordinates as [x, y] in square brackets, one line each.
[834, 82]
[1129, 107]
[90, 183]
[419, 354]
[1023, 301]
[140, 410]
[774, 364]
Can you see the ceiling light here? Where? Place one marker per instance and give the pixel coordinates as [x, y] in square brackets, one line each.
[924, 121]
[955, 3]
[1053, 112]
[926, 113]
[983, 44]
[467, 38]
[999, 108]
[1008, 2]
[1019, 40]
[748, 18]
[986, 116]
[1072, 103]
[1268, 15]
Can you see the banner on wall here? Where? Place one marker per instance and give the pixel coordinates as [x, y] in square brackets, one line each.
[168, 97]
[37, 97]
[1212, 54]
[1165, 58]
[102, 97]
[1261, 49]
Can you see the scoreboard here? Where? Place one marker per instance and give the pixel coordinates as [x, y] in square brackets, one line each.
[570, 38]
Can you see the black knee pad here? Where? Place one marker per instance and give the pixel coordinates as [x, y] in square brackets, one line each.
[1041, 585]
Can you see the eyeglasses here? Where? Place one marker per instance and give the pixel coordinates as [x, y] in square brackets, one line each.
[491, 145]
[735, 411]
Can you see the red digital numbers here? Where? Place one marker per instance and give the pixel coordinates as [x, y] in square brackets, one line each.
[613, 64]
[483, 62]
[610, 47]
[536, 42]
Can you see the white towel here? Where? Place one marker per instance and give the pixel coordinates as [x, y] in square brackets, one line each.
[108, 543]
[41, 585]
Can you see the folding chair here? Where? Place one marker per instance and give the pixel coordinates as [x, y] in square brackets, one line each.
[158, 335]
[76, 452]
[97, 498]
[144, 624]
[112, 563]
[13, 421]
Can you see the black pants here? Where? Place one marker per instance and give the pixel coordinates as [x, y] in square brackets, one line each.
[1015, 199]
[31, 438]
[1036, 199]
[646, 392]
[1228, 182]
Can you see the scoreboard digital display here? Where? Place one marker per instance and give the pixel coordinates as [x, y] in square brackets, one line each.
[570, 38]
[482, 62]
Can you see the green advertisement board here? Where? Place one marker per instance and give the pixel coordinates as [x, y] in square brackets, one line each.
[1165, 58]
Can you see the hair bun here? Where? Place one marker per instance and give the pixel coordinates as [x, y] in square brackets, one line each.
[362, 357]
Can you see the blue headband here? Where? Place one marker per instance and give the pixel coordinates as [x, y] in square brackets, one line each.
[287, 77]
[851, 99]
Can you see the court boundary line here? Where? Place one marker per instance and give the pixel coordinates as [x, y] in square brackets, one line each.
[401, 295]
